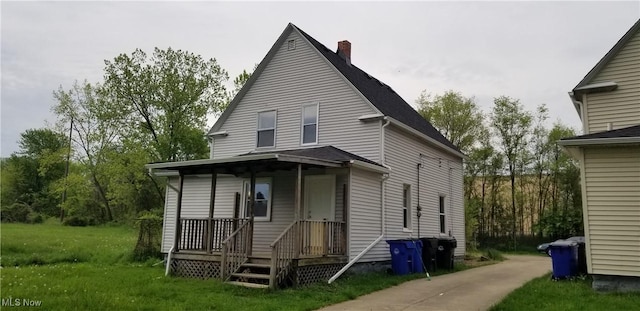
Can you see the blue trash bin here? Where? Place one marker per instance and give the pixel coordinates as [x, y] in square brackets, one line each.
[406, 256]
[564, 259]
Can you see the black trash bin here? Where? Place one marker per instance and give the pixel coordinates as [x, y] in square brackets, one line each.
[429, 250]
[444, 255]
[582, 258]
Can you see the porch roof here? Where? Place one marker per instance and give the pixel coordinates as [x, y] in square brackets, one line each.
[326, 156]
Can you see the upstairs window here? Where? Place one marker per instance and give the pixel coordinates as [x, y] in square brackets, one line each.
[310, 124]
[266, 129]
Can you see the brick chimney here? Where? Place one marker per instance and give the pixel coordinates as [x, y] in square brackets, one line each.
[344, 50]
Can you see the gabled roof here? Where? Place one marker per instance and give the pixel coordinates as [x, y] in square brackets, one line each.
[380, 95]
[625, 135]
[607, 57]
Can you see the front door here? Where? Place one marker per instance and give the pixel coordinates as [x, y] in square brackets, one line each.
[319, 203]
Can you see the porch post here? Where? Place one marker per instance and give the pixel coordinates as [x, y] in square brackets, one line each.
[298, 213]
[212, 201]
[176, 241]
[252, 203]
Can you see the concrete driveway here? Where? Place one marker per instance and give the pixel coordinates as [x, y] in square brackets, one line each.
[474, 289]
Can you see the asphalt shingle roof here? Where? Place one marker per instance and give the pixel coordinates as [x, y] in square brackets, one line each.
[380, 95]
[329, 153]
[632, 131]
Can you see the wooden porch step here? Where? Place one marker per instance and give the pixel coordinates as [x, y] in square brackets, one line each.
[256, 265]
[251, 276]
[246, 284]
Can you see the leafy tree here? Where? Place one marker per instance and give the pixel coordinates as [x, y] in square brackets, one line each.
[512, 124]
[164, 100]
[27, 175]
[94, 129]
[455, 116]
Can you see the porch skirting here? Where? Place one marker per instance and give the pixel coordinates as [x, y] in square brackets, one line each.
[198, 269]
[316, 273]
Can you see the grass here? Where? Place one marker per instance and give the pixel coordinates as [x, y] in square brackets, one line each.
[48, 243]
[545, 294]
[89, 268]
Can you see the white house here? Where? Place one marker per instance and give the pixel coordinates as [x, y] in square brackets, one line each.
[338, 163]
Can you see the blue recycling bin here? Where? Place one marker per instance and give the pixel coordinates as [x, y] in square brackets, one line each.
[564, 259]
[406, 256]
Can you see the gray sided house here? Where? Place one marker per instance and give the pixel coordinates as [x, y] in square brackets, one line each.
[313, 166]
[608, 102]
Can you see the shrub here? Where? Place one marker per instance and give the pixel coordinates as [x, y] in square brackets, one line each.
[16, 212]
[493, 254]
[75, 221]
[149, 236]
[35, 218]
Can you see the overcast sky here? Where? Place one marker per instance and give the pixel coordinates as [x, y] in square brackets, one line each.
[532, 51]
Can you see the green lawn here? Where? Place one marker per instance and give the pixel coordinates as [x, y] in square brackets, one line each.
[545, 294]
[89, 268]
[53, 243]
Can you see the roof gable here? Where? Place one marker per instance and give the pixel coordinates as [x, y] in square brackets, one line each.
[593, 73]
[381, 97]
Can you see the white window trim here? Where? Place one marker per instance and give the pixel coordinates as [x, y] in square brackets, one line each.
[444, 213]
[275, 128]
[243, 207]
[302, 143]
[408, 228]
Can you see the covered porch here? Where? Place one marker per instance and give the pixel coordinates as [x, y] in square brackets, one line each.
[289, 213]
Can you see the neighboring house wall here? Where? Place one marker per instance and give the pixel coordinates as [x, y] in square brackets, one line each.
[291, 79]
[365, 216]
[440, 174]
[612, 223]
[621, 106]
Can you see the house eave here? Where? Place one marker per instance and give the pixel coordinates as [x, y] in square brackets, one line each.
[369, 167]
[599, 141]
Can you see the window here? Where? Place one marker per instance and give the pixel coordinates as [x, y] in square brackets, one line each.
[310, 124]
[291, 45]
[266, 129]
[262, 207]
[406, 207]
[442, 216]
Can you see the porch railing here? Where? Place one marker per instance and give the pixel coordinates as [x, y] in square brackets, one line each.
[305, 238]
[235, 249]
[283, 251]
[321, 237]
[206, 234]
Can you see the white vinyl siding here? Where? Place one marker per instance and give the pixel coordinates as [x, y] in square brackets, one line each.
[440, 174]
[289, 80]
[612, 176]
[621, 106]
[365, 216]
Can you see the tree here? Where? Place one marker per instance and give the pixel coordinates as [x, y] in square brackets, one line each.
[455, 116]
[164, 100]
[512, 124]
[28, 175]
[94, 129]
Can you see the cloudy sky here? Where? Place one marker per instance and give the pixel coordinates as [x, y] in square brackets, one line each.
[533, 51]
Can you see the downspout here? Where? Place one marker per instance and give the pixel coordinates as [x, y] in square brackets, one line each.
[418, 207]
[383, 231]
